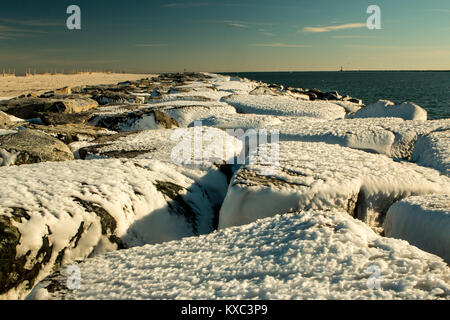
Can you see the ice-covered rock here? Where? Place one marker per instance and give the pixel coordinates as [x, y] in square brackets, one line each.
[172, 146]
[142, 119]
[387, 109]
[185, 112]
[390, 136]
[284, 106]
[56, 213]
[423, 221]
[323, 176]
[433, 150]
[306, 255]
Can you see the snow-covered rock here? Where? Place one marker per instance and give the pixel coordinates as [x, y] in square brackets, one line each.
[423, 221]
[306, 255]
[172, 146]
[55, 213]
[433, 150]
[323, 176]
[144, 119]
[393, 137]
[186, 111]
[284, 106]
[387, 109]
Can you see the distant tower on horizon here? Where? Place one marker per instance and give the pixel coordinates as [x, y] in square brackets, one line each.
[342, 69]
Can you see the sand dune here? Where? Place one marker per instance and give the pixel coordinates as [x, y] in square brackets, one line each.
[15, 86]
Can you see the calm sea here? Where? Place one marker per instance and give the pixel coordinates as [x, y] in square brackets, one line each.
[428, 89]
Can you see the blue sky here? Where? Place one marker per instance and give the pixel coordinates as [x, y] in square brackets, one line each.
[238, 35]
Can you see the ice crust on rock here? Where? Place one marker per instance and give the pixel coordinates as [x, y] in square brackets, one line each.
[68, 211]
[433, 150]
[423, 221]
[388, 109]
[324, 176]
[393, 137]
[284, 106]
[305, 255]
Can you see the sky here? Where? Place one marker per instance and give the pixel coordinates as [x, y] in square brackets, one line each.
[224, 36]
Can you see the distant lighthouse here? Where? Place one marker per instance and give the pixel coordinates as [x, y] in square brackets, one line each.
[342, 69]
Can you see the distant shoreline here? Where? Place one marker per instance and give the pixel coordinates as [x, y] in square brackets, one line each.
[337, 71]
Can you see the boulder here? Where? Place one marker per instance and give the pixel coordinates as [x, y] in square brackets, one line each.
[52, 118]
[33, 146]
[142, 119]
[52, 214]
[423, 221]
[302, 176]
[69, 133]
[65, 90]
[111, 97]
[433, 150]
[304, 255]
[29, 108]
[388, 109]
[7, 123]
[284, 106]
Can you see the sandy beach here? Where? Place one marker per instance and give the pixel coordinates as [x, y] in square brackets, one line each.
[16, 86]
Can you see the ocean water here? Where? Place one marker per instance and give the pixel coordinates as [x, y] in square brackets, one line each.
[428, 89]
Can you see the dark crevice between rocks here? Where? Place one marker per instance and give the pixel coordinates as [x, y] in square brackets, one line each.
[108, 223]
[177, 204]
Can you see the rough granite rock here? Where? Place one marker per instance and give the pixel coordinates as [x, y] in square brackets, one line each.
[28, 108]
[69, 133]
[6, 122]
[111, 97]
[33, 146]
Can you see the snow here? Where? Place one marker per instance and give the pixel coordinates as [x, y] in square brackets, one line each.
[386, 108]
[186, 111]
[130, 124]
[393, 137]
[433, 150]
[284, 106]
[163, 199]
[305, 255]
[126, 189]
[5, 132]
[324, 176]
[163, 144]
[424, 221]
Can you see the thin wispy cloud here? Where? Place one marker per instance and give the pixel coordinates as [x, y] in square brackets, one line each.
[9, 32]
[440, 10]
[352, 37]
[335, 27]
[32, 23]
[247, 23]
[184, 5]
[364, 46]
[278, 45]
[143, 45]
[238, 25]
